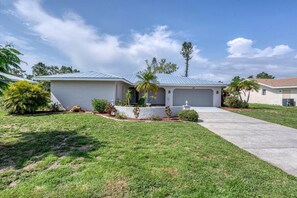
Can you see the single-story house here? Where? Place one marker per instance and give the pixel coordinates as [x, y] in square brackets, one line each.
[80, 88]
[275, 91]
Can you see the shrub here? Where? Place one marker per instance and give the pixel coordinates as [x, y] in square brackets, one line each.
[188, 115]
[24, 97]
[136, 112]
[168, 111]
[99, 105]
[54, 107]
[235, 102]
[76, 109]
[120, 116]
[110, 108]
[155, 118]
[120, 102]
[141, 102]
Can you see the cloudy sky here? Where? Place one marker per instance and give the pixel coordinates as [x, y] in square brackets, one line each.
[230, 37]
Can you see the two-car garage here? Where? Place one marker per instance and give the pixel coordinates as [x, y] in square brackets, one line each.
[195, 97]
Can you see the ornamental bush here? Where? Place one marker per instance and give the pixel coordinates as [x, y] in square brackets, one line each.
[235, 102]
[24, 97]
[188, 115]
[99, 105]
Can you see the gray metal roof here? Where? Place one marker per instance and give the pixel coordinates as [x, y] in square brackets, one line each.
[89, 74]
[14, 78]
[169, 79]
[164, 79]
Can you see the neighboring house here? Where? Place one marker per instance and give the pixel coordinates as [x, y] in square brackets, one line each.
[80, 88]
[13, 78]
[273, 91]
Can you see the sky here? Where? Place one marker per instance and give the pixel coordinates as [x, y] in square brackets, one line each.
[230, 37]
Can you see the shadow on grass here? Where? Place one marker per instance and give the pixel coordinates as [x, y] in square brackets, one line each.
[35, 146]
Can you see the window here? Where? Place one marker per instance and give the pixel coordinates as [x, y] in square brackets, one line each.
[263, 92]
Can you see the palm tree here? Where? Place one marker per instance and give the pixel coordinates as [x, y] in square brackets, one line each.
[235, 87]
[9, 60]
[147, 82]
[248, 86]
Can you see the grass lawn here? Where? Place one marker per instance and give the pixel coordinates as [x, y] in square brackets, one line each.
[83, 155]
[286, 116]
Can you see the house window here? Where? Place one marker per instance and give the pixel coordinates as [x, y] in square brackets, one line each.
[263, 92]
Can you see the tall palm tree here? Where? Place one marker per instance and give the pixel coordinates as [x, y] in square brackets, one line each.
[9, 60]
[147, 82]
[248, 86]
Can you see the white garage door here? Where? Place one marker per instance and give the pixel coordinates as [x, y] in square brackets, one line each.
[195, 97]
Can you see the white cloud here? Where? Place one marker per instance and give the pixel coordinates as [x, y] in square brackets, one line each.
[243, 48]
[90, 50]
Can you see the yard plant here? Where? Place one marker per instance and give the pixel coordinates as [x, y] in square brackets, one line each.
[188, 115]
[99, 105]
[24, 97]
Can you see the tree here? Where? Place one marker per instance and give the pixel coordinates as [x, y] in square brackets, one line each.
[9, 60]
[186, 52]
[162, 66]
[248, 86]
[240, 85]
[147, 82]
[265, 75]
[40, 69]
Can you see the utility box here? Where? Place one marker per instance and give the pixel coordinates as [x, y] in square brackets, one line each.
[288, 102]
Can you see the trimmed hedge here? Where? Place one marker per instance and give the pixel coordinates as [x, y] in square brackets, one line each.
[99, 105]
[188, 115]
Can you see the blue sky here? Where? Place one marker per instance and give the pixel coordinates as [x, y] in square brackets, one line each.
[234, 37]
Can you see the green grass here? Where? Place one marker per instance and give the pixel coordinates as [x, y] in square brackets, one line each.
[286, 116]
[83, 155]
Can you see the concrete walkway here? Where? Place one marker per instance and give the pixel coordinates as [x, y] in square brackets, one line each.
[273, 143]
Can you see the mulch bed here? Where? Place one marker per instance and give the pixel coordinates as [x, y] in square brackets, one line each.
[173, 119]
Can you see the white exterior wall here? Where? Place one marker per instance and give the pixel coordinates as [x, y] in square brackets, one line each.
[294, 95]
[147, 112]
[216, 94]
[273, 96]
[71, 93]
[121, 89]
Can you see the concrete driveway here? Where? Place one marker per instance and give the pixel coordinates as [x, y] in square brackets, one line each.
[273, 143]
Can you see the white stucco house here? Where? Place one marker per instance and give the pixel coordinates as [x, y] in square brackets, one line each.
[275, 91]
[80, 88]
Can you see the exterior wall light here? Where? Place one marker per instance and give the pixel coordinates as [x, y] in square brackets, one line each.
[169, 91]
[217, 92]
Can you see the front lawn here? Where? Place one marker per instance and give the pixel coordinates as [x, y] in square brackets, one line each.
[286, 116]
[84, 155]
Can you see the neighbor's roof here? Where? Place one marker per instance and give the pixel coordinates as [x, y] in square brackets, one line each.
[14, 78]
[164, 79]
[278, 83]
[170, 80]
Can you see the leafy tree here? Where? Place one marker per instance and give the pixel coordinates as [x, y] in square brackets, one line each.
[162, 66]
[9, 60]
[147, 82]
[128, 96]
[186, 52]
[40, 69]
[247, 86]
[265, 75]
[24, 97]
[18, 72]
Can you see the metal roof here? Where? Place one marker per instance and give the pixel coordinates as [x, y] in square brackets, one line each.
[170, 80]
[14, 78]
[163, 79]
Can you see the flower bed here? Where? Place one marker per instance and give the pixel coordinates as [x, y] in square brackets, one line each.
[148, 112]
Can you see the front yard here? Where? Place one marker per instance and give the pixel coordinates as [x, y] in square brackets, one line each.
[83, 155]
[286, 116]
